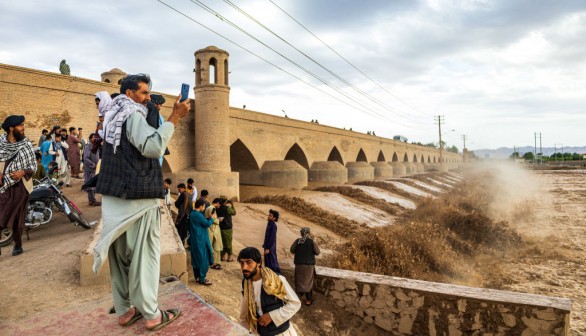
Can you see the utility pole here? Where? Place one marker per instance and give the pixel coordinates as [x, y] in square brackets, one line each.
[439, 120]
[535, 147]
[540, 150]
[464, 151]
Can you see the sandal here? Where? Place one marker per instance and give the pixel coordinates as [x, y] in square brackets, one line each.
[137, 316]
[165, 318]
[308, 302]
[206, 282]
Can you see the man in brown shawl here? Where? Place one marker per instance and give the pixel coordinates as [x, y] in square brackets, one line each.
[305, 250]
[73, 155]
[17, 166]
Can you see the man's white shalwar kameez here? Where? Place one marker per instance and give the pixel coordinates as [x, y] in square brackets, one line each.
[130, 236]
[279, 316]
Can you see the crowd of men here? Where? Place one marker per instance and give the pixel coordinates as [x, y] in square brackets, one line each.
[122, 161]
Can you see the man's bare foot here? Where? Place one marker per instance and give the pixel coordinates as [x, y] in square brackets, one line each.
[122, 320]
[150, 324]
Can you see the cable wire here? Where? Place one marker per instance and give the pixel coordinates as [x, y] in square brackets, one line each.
[361, 92]
[347, 61]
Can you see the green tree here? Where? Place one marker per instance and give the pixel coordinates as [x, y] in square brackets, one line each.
[528, 156]
[453, 149]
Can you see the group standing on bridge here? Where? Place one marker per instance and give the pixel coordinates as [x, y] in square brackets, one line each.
[122, 161]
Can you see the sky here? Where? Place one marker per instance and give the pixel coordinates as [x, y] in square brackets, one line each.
[496, 72]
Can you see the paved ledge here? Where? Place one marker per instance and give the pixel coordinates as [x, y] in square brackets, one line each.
[92, 318]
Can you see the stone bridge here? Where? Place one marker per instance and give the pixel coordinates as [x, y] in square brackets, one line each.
[220, 146]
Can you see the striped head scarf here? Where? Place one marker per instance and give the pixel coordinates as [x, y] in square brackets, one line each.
[118, 112]
[305, 232]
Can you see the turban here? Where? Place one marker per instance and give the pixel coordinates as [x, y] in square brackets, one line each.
[12, 121]
[105, 101]
[157, 99]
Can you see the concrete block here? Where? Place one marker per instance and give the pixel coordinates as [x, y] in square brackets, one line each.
[382, 170]
[328, 172]
[399, 169]
[359, 171]
[286, 174]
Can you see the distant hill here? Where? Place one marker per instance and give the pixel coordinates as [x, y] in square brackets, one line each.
[505, 152]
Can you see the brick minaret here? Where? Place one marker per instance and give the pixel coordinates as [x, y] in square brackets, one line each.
[212, 93]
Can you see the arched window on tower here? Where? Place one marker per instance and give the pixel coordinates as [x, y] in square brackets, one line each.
[226, 72]
[107, 80]
[213, 71]
[197, 72]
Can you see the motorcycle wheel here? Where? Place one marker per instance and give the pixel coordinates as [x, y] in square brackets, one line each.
[75, 216]
[6, 237]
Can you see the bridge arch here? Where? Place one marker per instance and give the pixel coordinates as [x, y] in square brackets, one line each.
[297, 154]
[166, 167]
[241, 157]
[381, 156]
[414, 158]
[361, 156]
[422, 159]
[395, 157]
[405, 158]
[428, 159]
[335, 155]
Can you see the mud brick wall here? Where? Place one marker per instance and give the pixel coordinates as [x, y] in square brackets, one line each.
[47, 99]
[411, 307]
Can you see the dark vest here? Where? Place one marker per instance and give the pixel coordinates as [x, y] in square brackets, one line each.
[304, 253]
[226, 223]
[128, 172]
[269, 303]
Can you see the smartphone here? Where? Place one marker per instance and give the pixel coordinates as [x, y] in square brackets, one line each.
[184, 91]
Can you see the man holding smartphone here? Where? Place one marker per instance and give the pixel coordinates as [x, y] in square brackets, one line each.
[130, 236]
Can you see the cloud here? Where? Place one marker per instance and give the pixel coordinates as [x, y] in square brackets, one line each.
[507, 64]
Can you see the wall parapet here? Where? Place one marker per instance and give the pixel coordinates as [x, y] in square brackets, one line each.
[414, 307]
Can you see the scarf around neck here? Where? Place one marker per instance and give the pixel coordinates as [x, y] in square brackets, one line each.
[21, 155]
[272, 285]
[119, 111]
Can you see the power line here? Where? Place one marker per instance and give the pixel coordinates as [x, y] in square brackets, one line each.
[261, 58]
[347, 61]
[361, 92]
[224, 19]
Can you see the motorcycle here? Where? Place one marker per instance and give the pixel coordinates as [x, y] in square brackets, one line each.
[44, 199]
